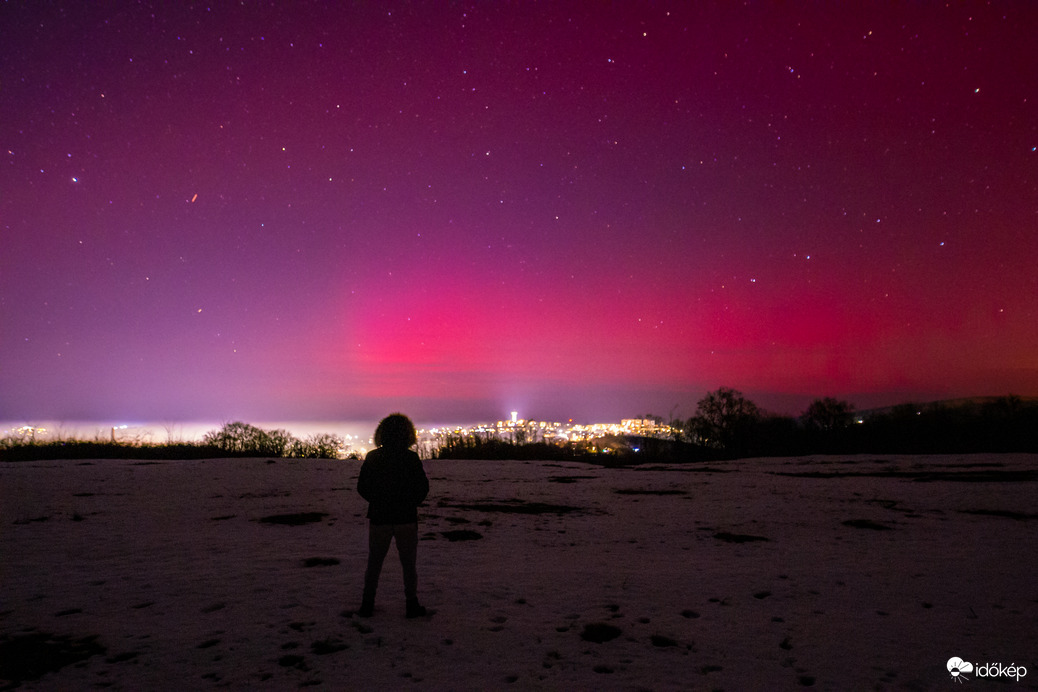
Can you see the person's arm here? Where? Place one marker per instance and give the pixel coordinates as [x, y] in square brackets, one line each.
[364, 483]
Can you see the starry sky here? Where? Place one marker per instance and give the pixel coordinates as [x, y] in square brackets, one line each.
[582, 210]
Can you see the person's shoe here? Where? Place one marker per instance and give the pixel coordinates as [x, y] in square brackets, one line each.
[415, 609]
[367, 609]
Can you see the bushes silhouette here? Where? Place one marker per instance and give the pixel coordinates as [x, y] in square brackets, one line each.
[242, 439]
[318, 446]
[732, 426]
[232, 440]
[1002, 424]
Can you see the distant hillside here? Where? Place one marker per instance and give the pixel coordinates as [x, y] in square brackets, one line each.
[964, 402]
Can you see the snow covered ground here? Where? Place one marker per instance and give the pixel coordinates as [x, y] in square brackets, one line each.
[824, 572]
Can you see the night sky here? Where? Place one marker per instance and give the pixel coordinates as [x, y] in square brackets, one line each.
[575, 210]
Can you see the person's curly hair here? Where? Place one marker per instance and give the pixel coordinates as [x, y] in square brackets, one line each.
[395, 430]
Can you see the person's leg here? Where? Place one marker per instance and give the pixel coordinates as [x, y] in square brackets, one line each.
[407, 546]
[379, 538]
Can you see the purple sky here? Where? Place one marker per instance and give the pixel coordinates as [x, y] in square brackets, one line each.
[576, 210]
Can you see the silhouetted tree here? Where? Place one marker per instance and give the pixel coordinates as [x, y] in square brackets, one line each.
[319, 446]
[278, 443]
[724, 420]
[827, 426]
[243, 439]
[235, 438]
[828, 414]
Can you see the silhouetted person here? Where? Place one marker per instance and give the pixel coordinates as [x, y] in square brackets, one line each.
[394, 483]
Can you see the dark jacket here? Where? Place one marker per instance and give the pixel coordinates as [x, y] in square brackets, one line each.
[394, 483]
